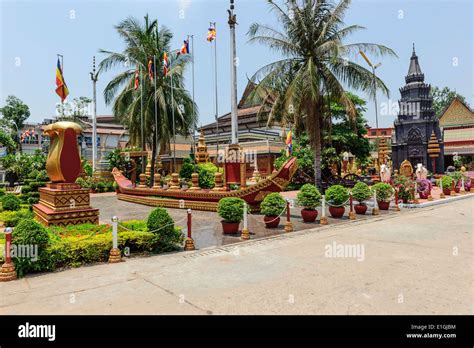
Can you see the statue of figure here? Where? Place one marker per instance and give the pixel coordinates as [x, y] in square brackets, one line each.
[385, 173]
[406, 169]
[421, 171]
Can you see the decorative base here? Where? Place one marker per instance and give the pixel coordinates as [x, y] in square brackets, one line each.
[245, 235]
[288, 226]
[430, 198]
[397, 207]
[442, 195]
[189, 244]
[416, 201]
[375, 211]
[7, 272]
[63, 204]
[453, 193]
[114, 256]
[352, 215]
[323, 220]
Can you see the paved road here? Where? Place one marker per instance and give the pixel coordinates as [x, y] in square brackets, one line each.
[416, 262]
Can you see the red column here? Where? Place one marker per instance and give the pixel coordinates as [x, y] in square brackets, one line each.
[189, 223]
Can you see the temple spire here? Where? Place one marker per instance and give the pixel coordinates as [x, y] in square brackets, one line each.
[414, 71]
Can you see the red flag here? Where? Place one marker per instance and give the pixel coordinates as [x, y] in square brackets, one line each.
[165, 64]
[151, 69]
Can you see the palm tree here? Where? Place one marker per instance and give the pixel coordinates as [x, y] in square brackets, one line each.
[314, 69]
[143, 41]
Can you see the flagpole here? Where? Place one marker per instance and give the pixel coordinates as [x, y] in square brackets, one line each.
[174, 130]
[142, 140]
[215, 87]
[233, 74]
[94, 78]
[156, 113]
[193, 128]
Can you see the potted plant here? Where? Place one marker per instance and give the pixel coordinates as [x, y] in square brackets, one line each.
[310, 198]
[231, 210]
[405, 187]
[447, 182]
[383, 194]
[337, 196]
[361, 193]
[424, 188]
[272, 207]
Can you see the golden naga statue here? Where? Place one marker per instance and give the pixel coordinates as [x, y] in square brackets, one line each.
[64, 162]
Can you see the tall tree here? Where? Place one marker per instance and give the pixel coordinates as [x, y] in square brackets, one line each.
[317, 63]
[443, 97]
[15, 113]
[142, 42]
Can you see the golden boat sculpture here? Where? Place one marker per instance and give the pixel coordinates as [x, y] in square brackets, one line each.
[204, 199]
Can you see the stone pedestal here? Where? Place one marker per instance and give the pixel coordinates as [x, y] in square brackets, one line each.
[65, 204]
[174, 183]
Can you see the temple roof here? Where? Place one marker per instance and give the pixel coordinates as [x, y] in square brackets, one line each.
[414, 71]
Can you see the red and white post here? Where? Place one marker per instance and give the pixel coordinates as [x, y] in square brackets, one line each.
[7, 271]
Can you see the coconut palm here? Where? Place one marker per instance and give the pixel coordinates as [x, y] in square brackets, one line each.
[143, 41]
[315, 68]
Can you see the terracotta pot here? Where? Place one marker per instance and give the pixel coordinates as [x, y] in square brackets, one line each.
[271, 221]
[405, 200]
[457, 189]
[446, 191]
[383, 205]
[309, 215]
[93, 190]
[337, 212]
[360, 209]
[230, 227]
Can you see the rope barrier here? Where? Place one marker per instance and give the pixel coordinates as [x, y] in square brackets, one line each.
[267, 222]
[340, 205]
[158, 229]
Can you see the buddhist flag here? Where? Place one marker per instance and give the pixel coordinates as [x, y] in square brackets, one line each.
[151, 69]
[289, 142]
[136, 80]
[211, 34]
[184, 49]
[165, 64]
[61, 87]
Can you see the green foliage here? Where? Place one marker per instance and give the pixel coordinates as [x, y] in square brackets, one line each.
[206, 175]
[361, 192]
[7, 141]
[383, 191]
[273, 204]
[309, 197]
[100, 187]
[42, 176]
[447, 181]
[30, 233]
[443, 97]
[10, 202]
[161, 224]
[186, 169]
[405, 186]
[19, 166]
[87, 168]
[231, 209]
[337, 195]
[14, 115]
[12, 218]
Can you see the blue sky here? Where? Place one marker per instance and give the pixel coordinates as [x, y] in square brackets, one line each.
[33, 32]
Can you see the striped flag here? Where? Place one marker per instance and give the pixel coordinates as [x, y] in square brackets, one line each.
[289, 142]
[184, 49]
[61, 87]
[211, 33]
[165, 64]
[136, 80]
[151, 69]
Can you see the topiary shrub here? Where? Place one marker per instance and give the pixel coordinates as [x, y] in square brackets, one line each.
[101, 187]
[337, 195]
[12, 218]
[231, 209]
[11, 202]
[161, 224]
[309, 197]
[361, 192]
[30, 234]
[383, 191]
[186, 169]
[273, 204]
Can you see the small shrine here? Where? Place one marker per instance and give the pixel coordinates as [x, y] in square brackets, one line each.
[102, 172]
[63, 202]
[202, 156]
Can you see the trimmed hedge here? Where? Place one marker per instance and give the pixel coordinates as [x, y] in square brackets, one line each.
[12, 218]
[11, 202]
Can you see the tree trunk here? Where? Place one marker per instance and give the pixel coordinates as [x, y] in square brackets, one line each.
[317, 156]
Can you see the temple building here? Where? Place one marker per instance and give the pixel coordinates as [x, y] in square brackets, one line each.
[457, 123]
[416, 122]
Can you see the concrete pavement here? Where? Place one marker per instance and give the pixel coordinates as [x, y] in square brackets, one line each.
[415, 262]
